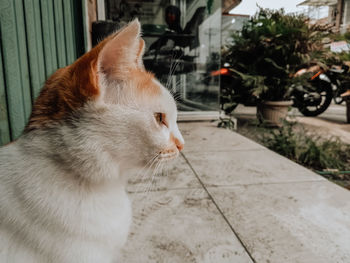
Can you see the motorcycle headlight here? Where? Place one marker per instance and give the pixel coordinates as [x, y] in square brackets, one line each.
[324, 77]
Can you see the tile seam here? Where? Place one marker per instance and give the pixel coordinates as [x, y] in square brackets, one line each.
[221, 212]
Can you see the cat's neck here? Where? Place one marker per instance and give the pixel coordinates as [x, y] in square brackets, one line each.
[76, 153]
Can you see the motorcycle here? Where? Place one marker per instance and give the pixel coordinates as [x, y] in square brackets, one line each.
[323, 86]
[311, 98]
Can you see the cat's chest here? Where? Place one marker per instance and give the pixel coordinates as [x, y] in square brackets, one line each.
[109, 219]
[93, 213]
[105, 211]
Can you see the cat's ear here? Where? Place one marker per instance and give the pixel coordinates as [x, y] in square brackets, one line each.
[122, 52]
[139, 56]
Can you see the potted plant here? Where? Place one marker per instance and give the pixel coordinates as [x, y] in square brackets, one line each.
[263, 56]
[272, 93]
[274, 102]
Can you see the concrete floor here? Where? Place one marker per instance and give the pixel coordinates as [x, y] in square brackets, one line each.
[331, 122]
[228, 199]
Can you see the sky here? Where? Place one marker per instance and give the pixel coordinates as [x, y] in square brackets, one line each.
[248, 7]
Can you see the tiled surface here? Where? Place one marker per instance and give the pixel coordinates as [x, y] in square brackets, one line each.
[206, 137]
[296, 222]
[180, 226]
[280, 211]
[247, 167]
[178, 175]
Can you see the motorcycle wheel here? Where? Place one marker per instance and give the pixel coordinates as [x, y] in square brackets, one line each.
[338, 100]
[310, 108]
[340, 90]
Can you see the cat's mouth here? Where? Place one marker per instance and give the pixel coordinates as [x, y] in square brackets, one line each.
[166, 156]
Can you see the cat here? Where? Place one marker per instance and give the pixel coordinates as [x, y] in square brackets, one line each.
[62, 183]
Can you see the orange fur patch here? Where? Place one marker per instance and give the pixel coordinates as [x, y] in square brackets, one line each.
[68, 89]
[144, 82]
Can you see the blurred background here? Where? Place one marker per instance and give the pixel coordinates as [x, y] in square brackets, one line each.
[218, 57]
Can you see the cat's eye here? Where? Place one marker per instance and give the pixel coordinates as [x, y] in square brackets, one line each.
[160, 118]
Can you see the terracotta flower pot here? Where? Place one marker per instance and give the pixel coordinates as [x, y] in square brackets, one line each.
[273, 112]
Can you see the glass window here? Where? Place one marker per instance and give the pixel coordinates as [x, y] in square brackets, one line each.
[182, 45]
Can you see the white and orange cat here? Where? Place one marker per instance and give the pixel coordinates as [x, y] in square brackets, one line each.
[62, 183]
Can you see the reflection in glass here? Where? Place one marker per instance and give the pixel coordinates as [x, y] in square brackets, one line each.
[182, 45]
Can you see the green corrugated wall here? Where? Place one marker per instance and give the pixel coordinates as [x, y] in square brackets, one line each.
[36, 38]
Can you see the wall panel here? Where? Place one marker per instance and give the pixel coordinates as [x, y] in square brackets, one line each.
[36, 38]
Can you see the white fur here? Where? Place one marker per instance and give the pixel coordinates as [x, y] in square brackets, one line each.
[62, 199]
[62, 189]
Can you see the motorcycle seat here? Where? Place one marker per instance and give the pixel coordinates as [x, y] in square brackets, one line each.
[334, 70]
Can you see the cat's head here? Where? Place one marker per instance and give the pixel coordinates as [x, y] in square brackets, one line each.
[113, 101]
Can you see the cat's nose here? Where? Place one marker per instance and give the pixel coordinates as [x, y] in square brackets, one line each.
[177, 138]
[179, 145]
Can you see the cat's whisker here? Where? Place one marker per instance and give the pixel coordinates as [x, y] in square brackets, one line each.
[144, 171]
[151, 178]
[170, 74]
[149, 164]
[154, 174]
[149, 187]
[173, 67]
[176, 84]
[177, 95]
[175, 59]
